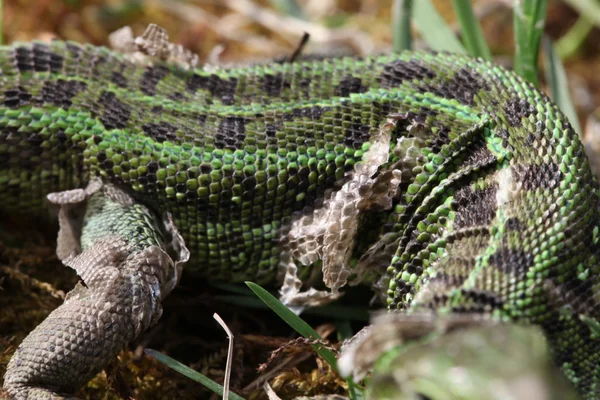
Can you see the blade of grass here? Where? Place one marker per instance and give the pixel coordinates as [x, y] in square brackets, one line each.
[588, 8]
[294, 321]
[472, 35]
[401, 13]
[557, 81]
[288, 7]
[232, 288]
[330, 310]
[343, 329]
[433, 29]
[528, 20]
[190, 373]
[571, 41]
[344, 332]
[354, 391]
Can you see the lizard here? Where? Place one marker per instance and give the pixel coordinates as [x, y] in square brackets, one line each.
[449, 183]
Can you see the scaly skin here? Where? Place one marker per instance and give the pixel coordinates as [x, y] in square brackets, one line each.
[496, 214]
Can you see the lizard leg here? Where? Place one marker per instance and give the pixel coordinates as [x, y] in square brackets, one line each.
[453, 357]
[128, 260]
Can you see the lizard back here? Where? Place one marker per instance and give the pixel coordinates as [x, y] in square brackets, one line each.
[496, 211]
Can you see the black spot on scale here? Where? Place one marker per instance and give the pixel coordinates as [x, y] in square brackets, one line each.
[200, 118]
[512, 261]
[106, 164]
[61, 92]
[4, 159]
[196, 82]
[205, 168]
[150, 78]
[116, 113]
[231, 133]
[61, 136]
[16, 97]
[452, 280]
[161, 132]
[543, 176]
[441, 138]
[356, 135]
[156, 109]
[44, 60]
[118, 79]
[272, 129]
[479, 300]
[273, 85]
[479, 157]
[399, 71]
[223, 89]
[56, 62]
[249, 183]
[97, 63]
[314, 113]
[35, 140]
[304, 84]
[412, 119]
[517, 109]
[152, 166]
[23, 59]
[76, 50]
[474, 207]
[514, 224]
[463, 86]
[348, 85]
[502, 134]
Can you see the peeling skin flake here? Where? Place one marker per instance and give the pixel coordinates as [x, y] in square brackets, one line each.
[329, 233]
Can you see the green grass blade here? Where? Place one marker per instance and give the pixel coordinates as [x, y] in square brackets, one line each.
[288, 7]
[354, 391]
[472, 35]
[329, 311]
[571, 41]
[190, 373]
[401, 14]
[344, 329]
[529, 18]
[232, 288]
[433, 29]
[294, 321]
[590, 9]
[557, 81]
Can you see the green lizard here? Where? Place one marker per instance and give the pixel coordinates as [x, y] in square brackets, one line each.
[447, 181]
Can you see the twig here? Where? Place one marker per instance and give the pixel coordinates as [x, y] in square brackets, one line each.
[300, 47]
[270, 392]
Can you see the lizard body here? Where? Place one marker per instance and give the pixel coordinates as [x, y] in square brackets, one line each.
[460, 185]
